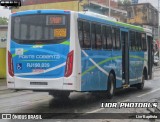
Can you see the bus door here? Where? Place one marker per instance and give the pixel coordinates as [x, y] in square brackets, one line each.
[150, 56]
[125, 57]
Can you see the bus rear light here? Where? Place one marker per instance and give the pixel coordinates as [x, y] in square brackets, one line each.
[69, 64]
[13, 12]
[10, 64]
[67, 11]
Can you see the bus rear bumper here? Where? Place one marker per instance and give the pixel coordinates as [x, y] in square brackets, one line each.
[42, 84]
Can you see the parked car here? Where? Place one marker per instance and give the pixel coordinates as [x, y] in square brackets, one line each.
[156, 60]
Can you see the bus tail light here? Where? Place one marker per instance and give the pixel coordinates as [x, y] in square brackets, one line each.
[69, 64]
[10, 64]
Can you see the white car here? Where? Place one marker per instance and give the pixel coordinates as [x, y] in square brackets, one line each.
[156, 60]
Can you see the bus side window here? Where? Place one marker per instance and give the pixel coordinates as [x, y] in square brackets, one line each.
[137, 41]
[143, 42]
[140, 42]
[132, 41]
[98, 37]
[114, 37]
[86, 34]
[104, 37]
[93, 36]
[80, 33]
[118, 44]
[109, 37]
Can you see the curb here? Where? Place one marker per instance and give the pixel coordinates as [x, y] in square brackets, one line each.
[2, 88]
[3, 84]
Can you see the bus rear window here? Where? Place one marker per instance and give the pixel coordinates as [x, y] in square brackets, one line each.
[43, 29]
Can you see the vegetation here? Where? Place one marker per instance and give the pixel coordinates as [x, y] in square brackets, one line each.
[124, 3]
[3, 21]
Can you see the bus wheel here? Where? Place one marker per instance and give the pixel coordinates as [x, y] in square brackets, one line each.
[111, 86]
[60, 94]
[140, 86]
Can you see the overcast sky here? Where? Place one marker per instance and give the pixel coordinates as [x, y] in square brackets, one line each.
[6, 12]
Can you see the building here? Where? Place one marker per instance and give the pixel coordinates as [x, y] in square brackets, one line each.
[106, 7]
[51, 4]
[145, 15]
[97, 6]
[3, 43]
[3, 35]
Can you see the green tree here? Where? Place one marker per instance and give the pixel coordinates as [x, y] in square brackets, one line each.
[3, 21]
[124, 3]
[120, 2]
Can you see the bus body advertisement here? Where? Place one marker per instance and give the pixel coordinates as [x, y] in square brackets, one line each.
[62, 51]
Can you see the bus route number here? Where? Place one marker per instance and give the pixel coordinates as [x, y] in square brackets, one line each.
[60, 32]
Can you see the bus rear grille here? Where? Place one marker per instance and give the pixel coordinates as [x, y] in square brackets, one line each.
[38, 83]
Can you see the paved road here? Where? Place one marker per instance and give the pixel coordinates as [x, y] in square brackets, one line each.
[30, 102]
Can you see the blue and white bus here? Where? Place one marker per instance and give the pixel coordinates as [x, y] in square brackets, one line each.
[61, 51]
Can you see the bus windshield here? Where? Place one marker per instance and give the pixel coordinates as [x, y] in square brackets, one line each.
[43, 29]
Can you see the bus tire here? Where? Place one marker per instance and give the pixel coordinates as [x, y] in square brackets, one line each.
[140, 86]
[111, 86]
[60, 94]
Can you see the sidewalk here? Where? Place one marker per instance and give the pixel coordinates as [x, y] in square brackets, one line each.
[3, 84]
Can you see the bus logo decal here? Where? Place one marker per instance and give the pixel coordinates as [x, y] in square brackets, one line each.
[19, 66]
[19, 51]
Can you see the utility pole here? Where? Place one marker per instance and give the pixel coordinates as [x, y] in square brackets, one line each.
[109, 8]
[158, 31]
[79, 1]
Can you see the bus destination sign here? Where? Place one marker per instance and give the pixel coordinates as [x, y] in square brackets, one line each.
[56, 20]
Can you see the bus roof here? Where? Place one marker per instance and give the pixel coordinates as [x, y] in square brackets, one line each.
[41, 11]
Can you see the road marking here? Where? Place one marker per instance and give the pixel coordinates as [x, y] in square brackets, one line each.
[148, 93]
[127, 100]
[23, 103]
[99, 109]
[94, 111]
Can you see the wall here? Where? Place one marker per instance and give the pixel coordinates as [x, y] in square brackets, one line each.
[65, 5]
[3, 38]
[2, 62]
[3, 43]
[34, 2]
[143, 14]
